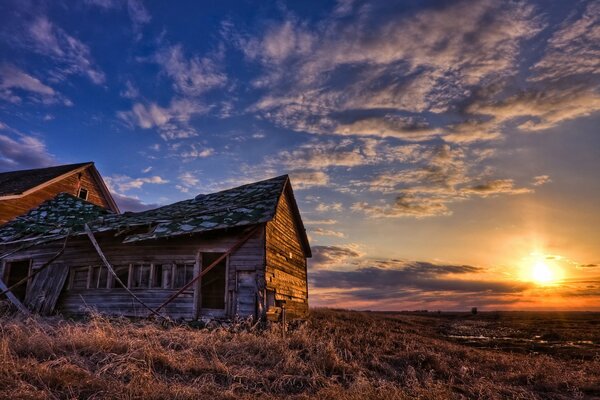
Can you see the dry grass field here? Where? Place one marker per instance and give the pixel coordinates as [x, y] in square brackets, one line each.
[334, 355]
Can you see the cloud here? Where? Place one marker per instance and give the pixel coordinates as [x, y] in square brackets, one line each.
[442, 176]
[193, 76]
[382, 61]
[124, 183]
[342, 276]
[328, 221]
[333, 256]
[307, 179]
[542, 109]
[138, 13]
[326, 207]
[318, 155]
[15, 83]
[130, 91]
[389, 126]
[136, 10]
[541, 180]
[23, 152]
[195, 152]
[70, 54]
[188, 179]
[572, 49]
[494, 187]
[172, 122]
[327, 232]
[132, 203]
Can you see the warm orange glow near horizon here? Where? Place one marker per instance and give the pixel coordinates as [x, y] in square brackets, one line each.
[537, 268]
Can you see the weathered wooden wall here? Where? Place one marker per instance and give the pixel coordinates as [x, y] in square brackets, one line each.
[12, 208]
[285, 261]
[248, 259]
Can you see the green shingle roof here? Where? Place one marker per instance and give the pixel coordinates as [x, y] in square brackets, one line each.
[244, 205]
[53, 218]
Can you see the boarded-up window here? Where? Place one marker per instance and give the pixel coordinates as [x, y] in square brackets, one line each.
[122, 272]
[183, 274]
[213, 283]
[80, 278]
[99, 278]
[141, 276]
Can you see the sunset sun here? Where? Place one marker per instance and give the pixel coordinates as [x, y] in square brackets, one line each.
[543, 273]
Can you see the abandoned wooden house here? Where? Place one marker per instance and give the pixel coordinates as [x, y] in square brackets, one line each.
[20, 191]
[240, 252]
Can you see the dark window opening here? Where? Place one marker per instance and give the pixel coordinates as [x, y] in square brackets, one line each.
[162, 276]
[212, 287]
[99, 278]
[141, 276]
[80, 278]
[83, 193]
[122, 272]
[183, 274]
[17, 271]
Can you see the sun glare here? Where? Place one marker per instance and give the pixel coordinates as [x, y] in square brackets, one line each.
[542, 272]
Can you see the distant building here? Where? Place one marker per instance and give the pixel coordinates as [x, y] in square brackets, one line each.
[240, 252]
[20, 191]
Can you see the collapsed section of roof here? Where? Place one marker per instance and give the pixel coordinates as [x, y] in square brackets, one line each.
[65, 214]
[52, 219]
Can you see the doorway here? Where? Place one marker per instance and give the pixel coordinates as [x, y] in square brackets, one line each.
[14, 272]
[213, 284]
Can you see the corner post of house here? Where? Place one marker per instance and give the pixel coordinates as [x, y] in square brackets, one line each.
[197, 286]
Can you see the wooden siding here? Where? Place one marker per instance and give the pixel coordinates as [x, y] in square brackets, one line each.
[80, 253]
[285, 261]
[12, 208]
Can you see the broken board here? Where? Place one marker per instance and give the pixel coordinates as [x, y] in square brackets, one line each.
[43, 292]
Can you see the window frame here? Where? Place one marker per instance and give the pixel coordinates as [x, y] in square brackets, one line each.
[87, 193]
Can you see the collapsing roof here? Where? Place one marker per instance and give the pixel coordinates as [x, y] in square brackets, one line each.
[241, 206]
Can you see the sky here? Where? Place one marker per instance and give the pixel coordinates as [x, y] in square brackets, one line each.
[444, 154]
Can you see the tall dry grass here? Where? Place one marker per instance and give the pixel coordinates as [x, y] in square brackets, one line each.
[334, 355]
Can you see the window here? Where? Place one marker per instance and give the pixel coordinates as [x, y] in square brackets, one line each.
[161, 278]
[122, 272]
[83, 193]
[99, 278]
[79, 279]
[141, 276]
[183, 274]
[213, 283]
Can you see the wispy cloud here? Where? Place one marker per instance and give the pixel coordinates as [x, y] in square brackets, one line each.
[22, 151]
[15, 84]
[191, 76]
[69, 53]
[124, 183]
[172, 122]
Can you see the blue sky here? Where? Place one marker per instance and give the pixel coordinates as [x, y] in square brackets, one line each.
[420, 136]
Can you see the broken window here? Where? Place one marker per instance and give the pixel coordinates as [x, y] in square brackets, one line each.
[79, 278]
[99, 278]
[15, 272]
[213, 282]
[122, 272]
[141, 276]
[162, 276]
[183, 274]
[83, 193]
